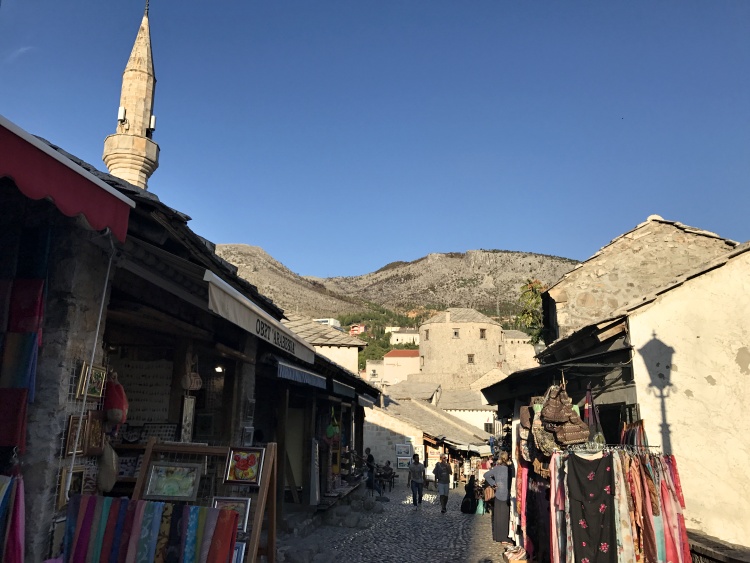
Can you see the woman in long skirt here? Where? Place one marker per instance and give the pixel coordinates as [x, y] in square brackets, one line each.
[500, 477]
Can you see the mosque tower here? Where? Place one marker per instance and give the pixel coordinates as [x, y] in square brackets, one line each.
[130, 153]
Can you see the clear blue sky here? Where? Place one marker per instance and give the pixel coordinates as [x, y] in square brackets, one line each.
[343, 135]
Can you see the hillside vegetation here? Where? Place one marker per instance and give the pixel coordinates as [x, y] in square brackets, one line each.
[487, 280]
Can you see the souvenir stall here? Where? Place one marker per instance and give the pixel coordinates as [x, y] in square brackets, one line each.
[577, 496]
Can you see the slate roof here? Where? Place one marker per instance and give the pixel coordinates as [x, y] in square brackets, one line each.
[409, 390]
[460, 315]
[493, 376]
[435, 422]
[651, 219]
[463, 399]
[319, 334]
[516, 334]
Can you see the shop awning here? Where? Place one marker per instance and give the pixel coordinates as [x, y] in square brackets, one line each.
[365, 400]
[343, 390]
[227, 302]
[294, 373]
[41, 172]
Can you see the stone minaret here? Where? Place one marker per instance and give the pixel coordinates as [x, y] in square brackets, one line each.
[130, 153]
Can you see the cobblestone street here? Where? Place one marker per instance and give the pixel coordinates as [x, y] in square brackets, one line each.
[400, 533]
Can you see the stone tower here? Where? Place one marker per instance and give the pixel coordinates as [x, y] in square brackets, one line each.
[130, 153]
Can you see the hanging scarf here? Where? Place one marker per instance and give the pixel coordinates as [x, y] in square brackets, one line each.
[225, 535]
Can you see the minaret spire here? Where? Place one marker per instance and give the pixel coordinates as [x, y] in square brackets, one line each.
[130, 153]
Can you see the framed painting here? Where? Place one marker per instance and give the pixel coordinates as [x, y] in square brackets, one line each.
[94, 387]
[240, 505]
[188, 414]
[173, 481]
[403, 450]
[244, 466]
[76, 484]
[94, 442]
[239, 552]
[70, 437]
[402, 462]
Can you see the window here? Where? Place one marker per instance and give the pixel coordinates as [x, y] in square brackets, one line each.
[455, 333]
[489, 427]
[421, 360]
[471, 358]
[427, 334]
[483, 333]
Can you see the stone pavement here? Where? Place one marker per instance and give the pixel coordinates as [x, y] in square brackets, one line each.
[366, 531]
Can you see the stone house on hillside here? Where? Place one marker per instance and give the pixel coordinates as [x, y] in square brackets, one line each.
[632, 265]
[334, 344]
[462, 342]
[398, 364]
[519, 352]
[676, 360]
[404, 336]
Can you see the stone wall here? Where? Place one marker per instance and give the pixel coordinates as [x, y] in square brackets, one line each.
[632, 266]
[382, 432]
[691, 362]
[76, 281]
[443, 352]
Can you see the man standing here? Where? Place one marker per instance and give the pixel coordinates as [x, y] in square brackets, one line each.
[443, 472]
[416, 480]
[371, 482]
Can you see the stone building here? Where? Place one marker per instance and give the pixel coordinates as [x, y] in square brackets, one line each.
[672, 359]
[403, 336]
[461, 342]
[334, 344]
[632, 265]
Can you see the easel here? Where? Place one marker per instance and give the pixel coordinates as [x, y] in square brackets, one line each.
[268, 483]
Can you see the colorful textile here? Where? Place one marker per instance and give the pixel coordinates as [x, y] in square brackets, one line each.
[126, 509]
[83, 533]
[625, 549]
[14, 540]
[109, 530]
[136, 534]
[26, 306]
[13, 418]
[18, 368]
[174, 544]
[191, 535]
[97, 531]
[162, 539]
[211, 517]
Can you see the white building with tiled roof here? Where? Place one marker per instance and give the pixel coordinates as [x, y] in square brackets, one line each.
[335, 345]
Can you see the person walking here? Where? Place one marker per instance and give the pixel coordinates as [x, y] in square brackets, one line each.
[371, 482]
[500, 477]
[443, 472]
[416, 480]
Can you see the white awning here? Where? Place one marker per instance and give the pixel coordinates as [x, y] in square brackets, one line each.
[293, 373]
[230, 304]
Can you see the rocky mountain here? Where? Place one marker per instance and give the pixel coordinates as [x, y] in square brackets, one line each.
[486, 280]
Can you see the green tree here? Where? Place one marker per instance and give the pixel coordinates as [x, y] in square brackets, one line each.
[530, 316]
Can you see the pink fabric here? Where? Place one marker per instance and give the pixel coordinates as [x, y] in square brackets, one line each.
[14, 544]
[84, 532]
[135, 535]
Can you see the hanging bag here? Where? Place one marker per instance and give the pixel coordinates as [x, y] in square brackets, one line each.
[115, 401]
[596, 439]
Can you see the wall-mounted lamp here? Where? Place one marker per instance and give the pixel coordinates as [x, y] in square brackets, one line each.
[219, 369]
[121, 114]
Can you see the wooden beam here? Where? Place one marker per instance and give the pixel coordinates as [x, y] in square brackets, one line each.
[232, 353]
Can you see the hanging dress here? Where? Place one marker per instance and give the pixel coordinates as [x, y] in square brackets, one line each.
[591, 491]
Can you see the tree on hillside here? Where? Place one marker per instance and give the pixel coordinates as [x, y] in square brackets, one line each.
[530, 316]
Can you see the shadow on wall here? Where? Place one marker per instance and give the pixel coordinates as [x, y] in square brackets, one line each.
[657, 356]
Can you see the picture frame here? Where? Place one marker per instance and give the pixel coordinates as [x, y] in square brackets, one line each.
[76, 484]
[95, 387]
[244, 466]
[403, 450]
[419, 450]
[239, 552]
[403, 462]
[188, 417]
[241, 505]
[94, 442]
[173, 481]
[70, 437]
[248, 433]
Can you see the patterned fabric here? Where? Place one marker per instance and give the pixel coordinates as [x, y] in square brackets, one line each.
[625, 549]
[208, 533]
[162, 541]
[191, 535]
[103, 517]
[224, 537]
[591, 490]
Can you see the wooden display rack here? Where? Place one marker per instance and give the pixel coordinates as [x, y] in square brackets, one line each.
[268, 484]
